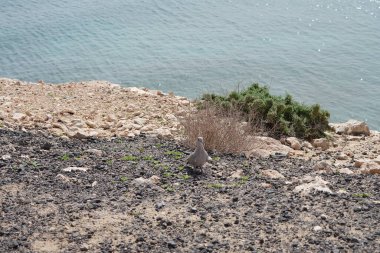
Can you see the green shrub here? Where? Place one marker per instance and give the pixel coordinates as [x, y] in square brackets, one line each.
[278, 115]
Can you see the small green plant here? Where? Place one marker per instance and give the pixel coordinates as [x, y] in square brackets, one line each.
[181, 167]
[129, 158]
[157, 164]
[216, 186]
[185, 177]
[148, 158]
[168, 174]
[65, 157]
[159, 145]
[123, 179]
[176, 154]
[244, 179]
[109, 162]
[216, 158]
[167, 187]
[34, 164]
[141, 149]
[361, 195]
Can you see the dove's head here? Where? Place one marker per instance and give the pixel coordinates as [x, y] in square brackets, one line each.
[200, 142]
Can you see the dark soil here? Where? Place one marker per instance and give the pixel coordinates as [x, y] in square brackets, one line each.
[105, 210]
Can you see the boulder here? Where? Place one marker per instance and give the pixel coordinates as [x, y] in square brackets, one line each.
[322, 166]
[63, 178]
[322, 143]
[351, 127]
[96, 152]
[341, 156]
[237, 174]
[265, 185]
[70, 169]
[91, 124]
[155, 179]
[163, 133]
[346, 171]
[6, 157]
[371, 168]
[307, 144]
[147, 182]
[80, 134]
[139, 121]
[265, 146]
[141, 181]
[19, 116]
[314, 184]
[360, 162]
[294, 143]
[61, 126]
[111, 118]
[377, 160]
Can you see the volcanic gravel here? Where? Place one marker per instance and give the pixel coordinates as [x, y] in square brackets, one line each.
[110, 208]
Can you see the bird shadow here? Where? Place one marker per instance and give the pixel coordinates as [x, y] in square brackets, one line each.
[196, 172]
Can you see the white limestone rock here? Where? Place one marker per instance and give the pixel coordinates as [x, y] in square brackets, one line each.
[351, 127]
[314, 184]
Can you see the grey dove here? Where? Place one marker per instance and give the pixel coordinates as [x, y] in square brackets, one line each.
[199, 157]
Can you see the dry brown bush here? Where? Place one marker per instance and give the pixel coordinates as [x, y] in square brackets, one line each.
[222, 131]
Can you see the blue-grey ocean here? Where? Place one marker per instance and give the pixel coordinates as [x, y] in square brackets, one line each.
[320, 51]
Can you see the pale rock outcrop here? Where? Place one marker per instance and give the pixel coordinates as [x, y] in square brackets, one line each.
[351, 127]
[85, 109]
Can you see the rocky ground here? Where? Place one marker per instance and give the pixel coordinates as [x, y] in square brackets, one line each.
[136, 195]
[92, 166]
[90, 109]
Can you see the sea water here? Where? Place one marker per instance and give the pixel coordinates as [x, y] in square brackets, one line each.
[320, 51]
